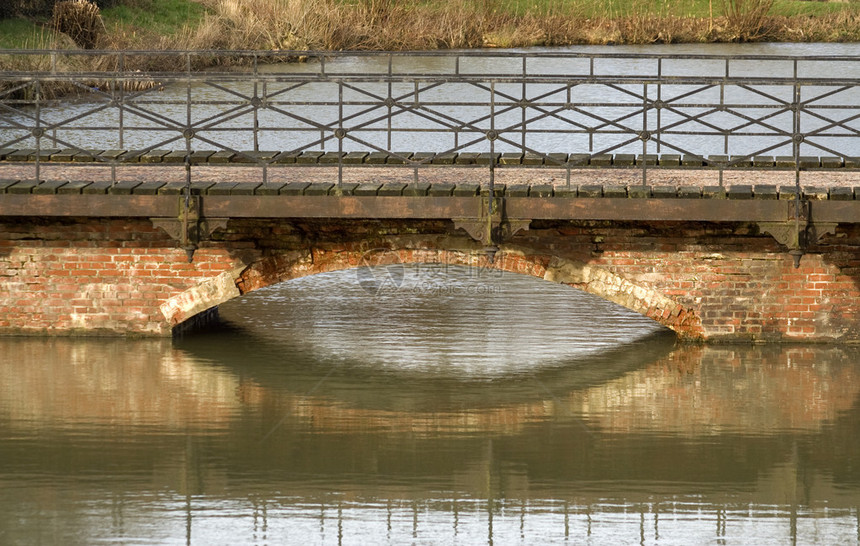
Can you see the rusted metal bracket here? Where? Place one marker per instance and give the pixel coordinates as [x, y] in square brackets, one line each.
[492, 228]
[475, 227]
[188, 228]
[799, 231]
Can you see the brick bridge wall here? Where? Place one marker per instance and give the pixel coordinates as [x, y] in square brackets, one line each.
[705, 281]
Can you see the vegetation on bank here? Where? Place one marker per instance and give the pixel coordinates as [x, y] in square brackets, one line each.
[431, 24]
[139, 24]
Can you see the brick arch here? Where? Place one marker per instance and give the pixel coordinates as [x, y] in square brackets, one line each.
[285, 266]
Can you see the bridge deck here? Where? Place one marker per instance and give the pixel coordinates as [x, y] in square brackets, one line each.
[422, 185]
[390, 192]
[741, 184]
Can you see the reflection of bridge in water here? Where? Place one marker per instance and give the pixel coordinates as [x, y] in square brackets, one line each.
[750, 454]
[667, 184]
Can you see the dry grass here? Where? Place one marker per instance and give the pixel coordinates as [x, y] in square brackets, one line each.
[425, 24]
[411, 25]
[80, 20]
[25, 91]
[434, 24]
[331, 25]
[405, 25]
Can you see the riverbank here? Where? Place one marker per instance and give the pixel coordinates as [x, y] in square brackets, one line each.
[389, 25]
[434, 24]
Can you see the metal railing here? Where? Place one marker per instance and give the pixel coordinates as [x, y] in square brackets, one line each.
[487, 109]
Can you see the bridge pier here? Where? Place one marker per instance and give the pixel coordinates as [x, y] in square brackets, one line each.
[706, 281]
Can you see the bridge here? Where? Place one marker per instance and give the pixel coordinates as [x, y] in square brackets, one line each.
[717, 195]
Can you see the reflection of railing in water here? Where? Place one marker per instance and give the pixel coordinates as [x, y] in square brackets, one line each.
[485, 109]
[539, 480]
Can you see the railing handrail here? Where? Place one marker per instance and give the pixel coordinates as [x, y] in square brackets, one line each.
[124, 70]
[653, 107]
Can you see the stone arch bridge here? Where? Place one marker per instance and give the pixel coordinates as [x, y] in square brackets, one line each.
[720, 202]
[123, 271]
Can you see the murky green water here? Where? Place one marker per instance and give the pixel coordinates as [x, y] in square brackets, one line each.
[422, 405]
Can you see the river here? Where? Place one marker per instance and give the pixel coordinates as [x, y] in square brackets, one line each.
[427, 404]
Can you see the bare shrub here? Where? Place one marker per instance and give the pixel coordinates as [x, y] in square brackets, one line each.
[746, 19]
[80, 20]
[263, 24]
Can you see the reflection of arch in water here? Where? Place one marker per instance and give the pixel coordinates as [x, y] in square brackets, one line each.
[298, 370]
[283, 266]
[537, 458]
[645, 387]
[538, 439]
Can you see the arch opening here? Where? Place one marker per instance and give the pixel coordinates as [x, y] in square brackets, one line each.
[593, 280]
[437, 318]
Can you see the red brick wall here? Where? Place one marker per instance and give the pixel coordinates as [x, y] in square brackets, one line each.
[705, 281]
[93, 276]
[742, 285]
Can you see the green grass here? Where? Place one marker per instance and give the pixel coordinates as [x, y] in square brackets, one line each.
[23, 34]
[161, 17]
[795, 7]
[145, 17]
[677, 8]
[598, 8]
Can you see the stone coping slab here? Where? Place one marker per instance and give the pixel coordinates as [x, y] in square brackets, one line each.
[318, 157]
[467, 189]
